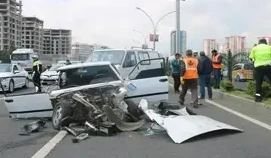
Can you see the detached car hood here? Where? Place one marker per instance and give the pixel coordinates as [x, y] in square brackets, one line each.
[54, 94]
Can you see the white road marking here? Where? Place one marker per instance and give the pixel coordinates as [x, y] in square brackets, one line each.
[250, 119]
[48, 147]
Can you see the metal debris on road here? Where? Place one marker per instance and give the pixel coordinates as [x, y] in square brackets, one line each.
[32, 127]
[183, 126]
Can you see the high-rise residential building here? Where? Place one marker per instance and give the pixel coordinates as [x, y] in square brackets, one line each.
[183, 42]
[11, 24]
[57, 41]
[81, 51]
[268, 39]
[32, 34]
[209, 45]
[236, 44]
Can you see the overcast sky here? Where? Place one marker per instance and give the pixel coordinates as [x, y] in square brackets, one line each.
[111, 22]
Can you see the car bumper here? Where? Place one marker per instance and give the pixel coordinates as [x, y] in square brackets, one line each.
[49, 81]
[5, 85]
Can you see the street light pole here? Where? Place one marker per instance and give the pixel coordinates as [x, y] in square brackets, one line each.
[144, 37]
[178, 3]
[178, 29]
[154, 26]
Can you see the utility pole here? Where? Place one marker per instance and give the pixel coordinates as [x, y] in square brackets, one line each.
[178, 6]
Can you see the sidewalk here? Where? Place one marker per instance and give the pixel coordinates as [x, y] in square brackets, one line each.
[241, 105]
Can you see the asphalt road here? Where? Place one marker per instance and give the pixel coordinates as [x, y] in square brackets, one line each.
[254, 142]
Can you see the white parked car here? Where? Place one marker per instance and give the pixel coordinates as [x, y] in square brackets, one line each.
[13, 76]
[51, 75]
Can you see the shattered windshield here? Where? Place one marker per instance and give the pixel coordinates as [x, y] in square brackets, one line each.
[114, 56]
[19, 57]
[5, 67]
[87, 75]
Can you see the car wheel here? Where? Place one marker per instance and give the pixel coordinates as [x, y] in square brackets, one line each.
[61, 110]
[238, 79]
[26, 85]
[11, 86]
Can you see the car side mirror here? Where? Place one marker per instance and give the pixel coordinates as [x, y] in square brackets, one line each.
[16, 71]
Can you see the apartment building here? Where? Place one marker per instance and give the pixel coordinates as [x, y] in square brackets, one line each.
[209, 45]
[32, 34]
[57, 42]
[81, 51]
[236, 44]
[11, 24]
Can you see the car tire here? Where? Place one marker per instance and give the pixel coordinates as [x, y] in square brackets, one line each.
[61, 110]
[133, 109]
[11, 86]
[26, 83]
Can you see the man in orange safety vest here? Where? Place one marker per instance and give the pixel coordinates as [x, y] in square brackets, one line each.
[190, 78]
[217, 65]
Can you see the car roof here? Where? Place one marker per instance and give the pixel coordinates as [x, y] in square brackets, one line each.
[79, 65]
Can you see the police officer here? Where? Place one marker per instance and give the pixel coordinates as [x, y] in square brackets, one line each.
[189, 68]
[37, 70]
[261, 56]
[217, 65]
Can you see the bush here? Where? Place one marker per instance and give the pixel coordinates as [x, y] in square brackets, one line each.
[251, 89]
[227, 86]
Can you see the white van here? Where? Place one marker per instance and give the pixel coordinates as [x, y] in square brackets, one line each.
[24, 58]
[126, 59]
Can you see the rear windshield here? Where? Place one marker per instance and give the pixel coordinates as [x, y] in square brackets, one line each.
[113, 56]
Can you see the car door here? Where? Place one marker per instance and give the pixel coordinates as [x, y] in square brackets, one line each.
[31, 105]
[150, 82]
[128, 64]
[16, 76]
[22, 75]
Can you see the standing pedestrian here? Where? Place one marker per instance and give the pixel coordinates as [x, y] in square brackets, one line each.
[217, 65]
[37, 70]
[261, 56]
[176, 72]
[190, 78]
[204, 71]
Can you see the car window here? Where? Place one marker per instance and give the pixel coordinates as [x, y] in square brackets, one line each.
[237, 67]
[86, 76]
[248, 67]
[144, 56]
[19, 68]
[153, 55]
[15, 68]
[130, 60]
[5, 67]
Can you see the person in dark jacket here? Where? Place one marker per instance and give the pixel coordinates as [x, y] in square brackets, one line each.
[205, 70]
[37, 70]
[176, 72]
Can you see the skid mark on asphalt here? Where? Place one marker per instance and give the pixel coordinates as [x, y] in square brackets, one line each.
[243, 116]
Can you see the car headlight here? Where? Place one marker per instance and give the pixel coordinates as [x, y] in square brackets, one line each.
[4, 80]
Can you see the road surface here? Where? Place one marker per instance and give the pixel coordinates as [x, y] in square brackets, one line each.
[254, 142]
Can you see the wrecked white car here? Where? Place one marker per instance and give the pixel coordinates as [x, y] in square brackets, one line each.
[95, 80]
